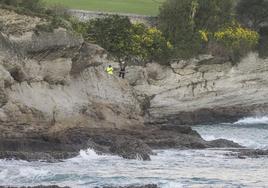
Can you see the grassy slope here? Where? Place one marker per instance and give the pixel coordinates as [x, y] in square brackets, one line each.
[145, 7]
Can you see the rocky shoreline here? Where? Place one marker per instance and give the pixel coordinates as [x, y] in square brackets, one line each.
[56, 98]
[129, 144]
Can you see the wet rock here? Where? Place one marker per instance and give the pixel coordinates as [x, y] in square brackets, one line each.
[50, 157]
[223, 143]
[248, 153]
[109, 141]
[131, 148]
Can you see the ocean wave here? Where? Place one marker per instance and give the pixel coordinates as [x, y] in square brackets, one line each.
[252, 120]
[89, 155]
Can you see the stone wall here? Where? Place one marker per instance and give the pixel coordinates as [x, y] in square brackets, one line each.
[83, 15]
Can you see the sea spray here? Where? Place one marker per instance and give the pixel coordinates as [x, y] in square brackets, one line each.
[252, 121]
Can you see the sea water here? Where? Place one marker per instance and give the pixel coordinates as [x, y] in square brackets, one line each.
[168, 169]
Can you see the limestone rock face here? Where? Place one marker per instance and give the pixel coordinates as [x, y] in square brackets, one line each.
[51, 80]
[203, 90]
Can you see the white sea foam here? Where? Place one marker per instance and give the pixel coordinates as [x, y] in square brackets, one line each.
[3, 174]
[89, 155]
[252, 120]
[32, 172]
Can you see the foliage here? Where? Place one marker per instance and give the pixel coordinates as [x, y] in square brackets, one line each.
[234, 37]
[112, 33]
[32, 5]
[213, 14]
[125, 40]
[149, 43]
[252, 13]
[236, 40]
[181, 20]
[79, 27]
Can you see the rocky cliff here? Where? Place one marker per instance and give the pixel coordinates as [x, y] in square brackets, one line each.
[50, 82]
[202, 90]
[56, 98]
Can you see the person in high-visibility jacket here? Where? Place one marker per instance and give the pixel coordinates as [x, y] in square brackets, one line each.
[110, 70]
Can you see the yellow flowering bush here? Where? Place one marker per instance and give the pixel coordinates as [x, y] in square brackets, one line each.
[237, 37]
[234, 40]
[150, 43]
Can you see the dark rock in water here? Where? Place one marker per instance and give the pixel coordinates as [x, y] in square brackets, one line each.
[179, 129]
[222, 143]
[249, 153]
[133, 186]
[37, 156]
[129, 144]
[131, 148]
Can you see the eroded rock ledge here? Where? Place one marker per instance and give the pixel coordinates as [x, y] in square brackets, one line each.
[129, 144]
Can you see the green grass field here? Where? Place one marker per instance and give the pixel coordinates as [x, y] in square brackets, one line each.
[144, 7]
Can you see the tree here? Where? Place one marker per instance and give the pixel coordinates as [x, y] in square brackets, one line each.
[127, 41]
[112, 33]
[236, 40]
[214, 14]
[252, 13]
[180, 21]
[175, 23]
[149, 43]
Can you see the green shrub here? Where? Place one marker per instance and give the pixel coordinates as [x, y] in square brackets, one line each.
[127, 41]
[112, 33]
[180, 21]
[149, 44]
[235, 40]
[32, 5]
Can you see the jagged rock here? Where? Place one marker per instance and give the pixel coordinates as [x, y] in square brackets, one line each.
[57, 71]
[248, 153]
[90, 55]
[222, 143]
[131, 148]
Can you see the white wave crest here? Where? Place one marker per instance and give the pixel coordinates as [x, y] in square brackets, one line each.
[252, 120]
[90, 154]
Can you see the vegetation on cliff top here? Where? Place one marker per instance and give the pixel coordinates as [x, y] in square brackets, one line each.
[185, 29]
[197, 26]
[128, 41]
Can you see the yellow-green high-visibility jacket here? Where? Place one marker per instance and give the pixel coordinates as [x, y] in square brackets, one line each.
[110, 70]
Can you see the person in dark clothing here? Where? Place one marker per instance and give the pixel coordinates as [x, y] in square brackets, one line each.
[122, 71]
